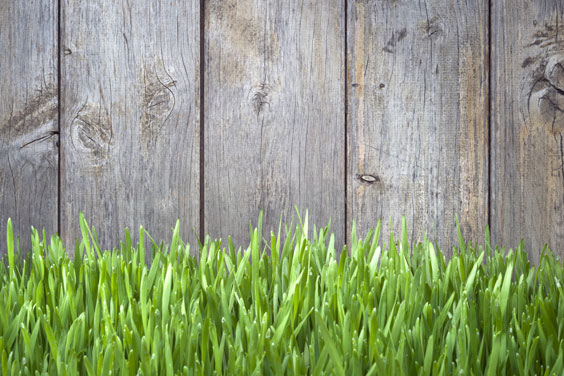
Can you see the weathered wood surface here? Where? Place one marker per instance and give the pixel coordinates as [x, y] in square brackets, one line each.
[28, 117]
[274, 114]
[417, 124]
[130, 117]
[527, 180]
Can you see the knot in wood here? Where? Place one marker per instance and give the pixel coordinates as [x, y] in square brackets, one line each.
[92, 133]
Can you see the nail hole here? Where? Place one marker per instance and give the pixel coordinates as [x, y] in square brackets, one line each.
[382, 86]
[369, 178]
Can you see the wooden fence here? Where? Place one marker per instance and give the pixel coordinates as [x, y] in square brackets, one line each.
[141, 112]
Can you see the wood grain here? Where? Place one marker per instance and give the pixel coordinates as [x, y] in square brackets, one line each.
[28, 118]
[130, 117]
[417, 136]
[527, 105]
[274, 114]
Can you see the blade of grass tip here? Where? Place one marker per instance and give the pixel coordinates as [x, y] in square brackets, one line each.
[461, 243]
[331, 253]
[398, 322]
[505, 287]
[434, 262]
[50, 337]
[373, 266]
[255, 271]
[336, 357]
[255, 240]
[428, 362]
[376, 239]
[108, 360]
[88, 366]
[315, 235]
[154, 244]
[558, 368]
[166, 294]
[494, 356]
[274, 253]
[153, 272]
[299, 327]
[354, 241]
[127, 244]
[279, 331]
[175, 241]
[295, 283]
[406, 251]
[77, 257]
[299, 220]
[367, 243]
[259, 227]
[204, 255]
[462, 269]
[278, 238]
[518, 251]
[280, 225]
[488, 244]
[392, 248]
[18, 253]
[95, 241]
[328, 228]
[305, 228]
[34, 334]
[141, 246]
[85, 237]
[472, 275]
[10, 245]
[404, 241]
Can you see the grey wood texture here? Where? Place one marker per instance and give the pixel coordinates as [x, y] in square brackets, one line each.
[28, 118]
[274, 114]
[130, 117]
[417, 124]
[419, 95]
[527, 179]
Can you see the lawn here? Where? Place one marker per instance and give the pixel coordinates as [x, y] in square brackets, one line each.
[283, 305]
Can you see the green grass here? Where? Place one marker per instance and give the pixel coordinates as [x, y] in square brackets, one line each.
[395, 309]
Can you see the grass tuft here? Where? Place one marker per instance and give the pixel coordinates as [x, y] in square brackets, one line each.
[381, 309]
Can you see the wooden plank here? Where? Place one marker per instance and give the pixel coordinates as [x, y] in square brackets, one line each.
[528, 124]
[28, 117]
[417, 124]
[130, 117]
[274, 114]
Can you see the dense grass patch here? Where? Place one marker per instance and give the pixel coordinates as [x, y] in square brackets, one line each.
[397, 309]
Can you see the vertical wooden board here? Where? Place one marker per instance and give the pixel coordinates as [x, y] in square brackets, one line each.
[28, 118]
[527, 174]
[417, 123]
[130, 117]
[274, 114]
